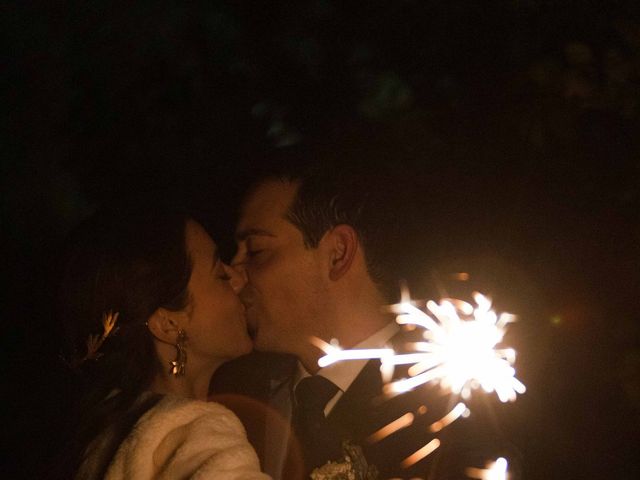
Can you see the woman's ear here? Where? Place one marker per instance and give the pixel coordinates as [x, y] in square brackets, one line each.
[343, 246]
[164, 324]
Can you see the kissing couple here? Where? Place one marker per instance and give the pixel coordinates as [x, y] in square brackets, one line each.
[145, 293]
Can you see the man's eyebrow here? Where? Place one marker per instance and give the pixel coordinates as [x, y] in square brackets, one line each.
[243, 234]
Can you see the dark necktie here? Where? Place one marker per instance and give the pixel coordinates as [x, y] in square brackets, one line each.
[319, 444]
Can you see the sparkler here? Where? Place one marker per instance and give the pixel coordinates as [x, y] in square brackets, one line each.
[460, 353]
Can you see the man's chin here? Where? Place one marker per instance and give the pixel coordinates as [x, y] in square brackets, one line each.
[265, 345]
[259, 345]
[253, 333]
[252, 329]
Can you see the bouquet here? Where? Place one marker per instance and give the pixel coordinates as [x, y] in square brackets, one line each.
[354, 466]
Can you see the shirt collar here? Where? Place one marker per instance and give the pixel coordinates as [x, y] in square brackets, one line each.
[342, 374]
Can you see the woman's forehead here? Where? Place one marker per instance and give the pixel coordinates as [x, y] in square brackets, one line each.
[198, 240]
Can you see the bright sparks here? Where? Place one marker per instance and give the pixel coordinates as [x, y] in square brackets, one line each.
[495, 471]
[398, 424]
[449, 418]
[420, 454]
[335, 354]
[459, 352]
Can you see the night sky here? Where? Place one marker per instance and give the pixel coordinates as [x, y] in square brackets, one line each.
[518, 126]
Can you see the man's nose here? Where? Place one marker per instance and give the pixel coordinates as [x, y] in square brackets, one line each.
[238, 277]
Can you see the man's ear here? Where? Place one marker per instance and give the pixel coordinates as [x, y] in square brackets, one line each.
[343, 246]
[164, 324]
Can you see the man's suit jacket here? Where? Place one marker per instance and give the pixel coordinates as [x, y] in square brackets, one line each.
[363, 410]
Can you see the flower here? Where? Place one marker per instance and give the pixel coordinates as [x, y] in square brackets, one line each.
[95, 341]
[108, 322]
[354, 466]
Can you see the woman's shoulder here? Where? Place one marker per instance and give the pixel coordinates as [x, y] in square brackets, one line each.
[179, 438]
[178, 412]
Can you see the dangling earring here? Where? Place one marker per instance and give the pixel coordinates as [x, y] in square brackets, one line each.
[177, 366]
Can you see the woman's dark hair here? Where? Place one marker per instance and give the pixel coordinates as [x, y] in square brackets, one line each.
[133, 262]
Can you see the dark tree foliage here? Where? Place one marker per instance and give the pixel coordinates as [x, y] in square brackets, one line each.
[519, 120]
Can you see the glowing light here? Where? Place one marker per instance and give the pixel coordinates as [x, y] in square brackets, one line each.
[455, 413]
[398, 424]
[462, 276]
[495, 471]
[337, 355]
[420, 454]
[460, 351]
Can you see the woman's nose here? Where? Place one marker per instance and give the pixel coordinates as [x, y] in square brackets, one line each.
[237, 277]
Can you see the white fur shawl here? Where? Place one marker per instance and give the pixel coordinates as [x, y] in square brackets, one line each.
[186, 439]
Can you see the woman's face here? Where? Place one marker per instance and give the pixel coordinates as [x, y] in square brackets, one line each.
[217, 326]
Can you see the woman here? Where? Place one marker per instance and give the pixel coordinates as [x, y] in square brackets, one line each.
[156, 307]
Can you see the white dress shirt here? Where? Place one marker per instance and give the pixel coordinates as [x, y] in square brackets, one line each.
[342, 374]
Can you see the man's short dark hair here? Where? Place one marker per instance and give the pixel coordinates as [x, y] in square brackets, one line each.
[353, 182]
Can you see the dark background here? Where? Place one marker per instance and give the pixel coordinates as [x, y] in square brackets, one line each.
[520, 118]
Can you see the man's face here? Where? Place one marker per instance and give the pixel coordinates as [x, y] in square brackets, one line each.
[285, 281]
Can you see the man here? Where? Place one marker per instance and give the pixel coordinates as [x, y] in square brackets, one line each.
[317, 251]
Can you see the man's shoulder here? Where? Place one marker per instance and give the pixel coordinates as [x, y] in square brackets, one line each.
[394, 430]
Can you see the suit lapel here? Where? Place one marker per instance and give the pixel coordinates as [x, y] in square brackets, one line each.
[364, 399]
[353, 413]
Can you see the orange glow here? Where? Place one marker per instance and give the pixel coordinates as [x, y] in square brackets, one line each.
[398, 424]
[460, 351]
[337, 355]
[495, 471]
[321, 344]
[461, 276]
[420, 454]
[449, 418]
